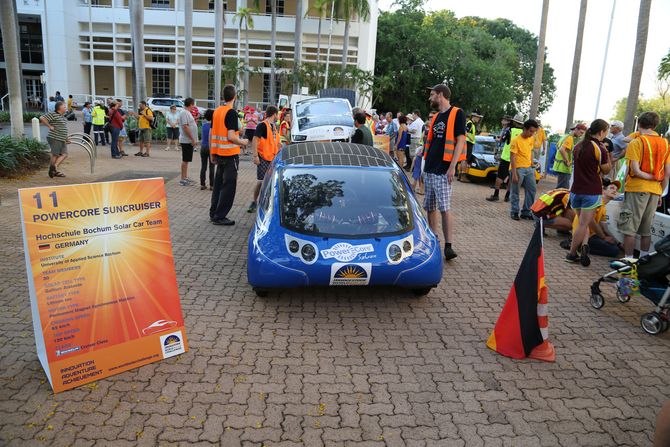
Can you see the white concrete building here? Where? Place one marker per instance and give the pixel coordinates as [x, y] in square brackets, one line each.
[82, 47]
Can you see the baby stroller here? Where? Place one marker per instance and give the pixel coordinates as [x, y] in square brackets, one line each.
[647, 276]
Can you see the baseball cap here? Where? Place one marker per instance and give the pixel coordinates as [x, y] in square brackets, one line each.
[579, 126]
[616, 123]
[607, 182]
[440, 88]
[476, 113]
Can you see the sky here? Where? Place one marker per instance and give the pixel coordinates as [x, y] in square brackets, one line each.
[560, 44]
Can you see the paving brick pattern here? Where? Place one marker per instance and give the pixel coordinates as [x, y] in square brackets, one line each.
[341, 366]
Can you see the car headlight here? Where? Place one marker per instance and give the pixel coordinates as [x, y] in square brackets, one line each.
[394, 253]
[406, 246]
[308, 252]
[299, 137]
[293, 246]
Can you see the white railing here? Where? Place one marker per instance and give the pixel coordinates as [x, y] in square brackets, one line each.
[2, 102]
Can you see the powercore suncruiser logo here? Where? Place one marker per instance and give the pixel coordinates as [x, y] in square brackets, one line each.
[345, 252]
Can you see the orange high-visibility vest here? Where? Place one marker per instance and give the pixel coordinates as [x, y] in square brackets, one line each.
[268, 147]
[220, 144]
[449, 138]
[654, 154]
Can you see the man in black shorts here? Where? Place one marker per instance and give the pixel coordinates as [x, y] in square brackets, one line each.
[264, 147]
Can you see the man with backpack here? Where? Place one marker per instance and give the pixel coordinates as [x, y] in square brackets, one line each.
[146, 122]
[648, 159]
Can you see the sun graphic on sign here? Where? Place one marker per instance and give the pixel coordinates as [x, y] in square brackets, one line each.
[350, 271]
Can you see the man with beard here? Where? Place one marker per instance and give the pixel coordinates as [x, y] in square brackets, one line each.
[443, 149]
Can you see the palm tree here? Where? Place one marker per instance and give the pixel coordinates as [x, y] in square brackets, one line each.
[245, 15]
[320, 7]
[638, 64]
[348, 9]
[10, 45]
[136, 10]
[273, 51]
[297, 53]
[188, 47]
[219, 22]
[539, 62]
[575, 65]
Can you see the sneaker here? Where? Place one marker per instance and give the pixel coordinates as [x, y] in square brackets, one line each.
[123, 154]
[191, 181]
[514, 216]
[252, 207]
[527, 217]
[203, 187]
[584, 256]
[225, 221]
[449, 253]
[573, 259]
[565, 244]
[493, 198]
[138, 154]
[184, 182]
[506, 197]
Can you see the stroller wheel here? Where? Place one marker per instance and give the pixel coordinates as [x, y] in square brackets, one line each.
[597, 300]
[651, 323]
[623, 298]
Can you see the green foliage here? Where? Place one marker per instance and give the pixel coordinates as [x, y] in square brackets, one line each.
[27, 116]
[312, 76]
[664, 68]
[659, 105]
[488, 64]
[18, 155]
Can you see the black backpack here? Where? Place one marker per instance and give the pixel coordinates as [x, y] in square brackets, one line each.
[154, 122]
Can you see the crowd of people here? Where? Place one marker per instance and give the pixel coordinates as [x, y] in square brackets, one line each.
[435, 151]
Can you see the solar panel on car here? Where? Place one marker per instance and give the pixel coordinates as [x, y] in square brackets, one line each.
[334, 154]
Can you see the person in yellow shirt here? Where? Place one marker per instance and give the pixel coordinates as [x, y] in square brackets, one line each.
[648, 158]
[540, 144]
[145, 117]
[522, 172]
[563, 161]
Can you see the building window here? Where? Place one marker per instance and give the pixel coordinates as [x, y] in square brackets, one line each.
[160, 81]
[266, 88]
[211, 5]
[162, 4]
[280, 7]
[30, 38]
[160, 55]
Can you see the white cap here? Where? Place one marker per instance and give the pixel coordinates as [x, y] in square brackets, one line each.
[617, 123]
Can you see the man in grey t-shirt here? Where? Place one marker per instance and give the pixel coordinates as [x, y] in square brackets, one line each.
[619, 144]
[188, 139]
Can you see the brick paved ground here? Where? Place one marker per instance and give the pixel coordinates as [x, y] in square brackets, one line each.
[341, 367]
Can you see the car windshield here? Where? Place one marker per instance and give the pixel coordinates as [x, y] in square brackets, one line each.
[344, 202]
[484, 147]
[322, 108]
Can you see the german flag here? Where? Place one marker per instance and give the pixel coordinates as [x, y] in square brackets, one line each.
[44, 247]
[522, 328]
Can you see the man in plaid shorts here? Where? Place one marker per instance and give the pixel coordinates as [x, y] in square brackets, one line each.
[444, 145]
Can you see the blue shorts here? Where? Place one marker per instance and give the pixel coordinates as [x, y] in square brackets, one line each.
[585, 201]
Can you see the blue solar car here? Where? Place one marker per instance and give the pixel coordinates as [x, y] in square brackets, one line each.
[340, 214]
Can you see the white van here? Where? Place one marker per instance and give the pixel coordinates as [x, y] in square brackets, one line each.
[322, 119]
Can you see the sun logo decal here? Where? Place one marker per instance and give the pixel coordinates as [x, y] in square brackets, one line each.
[171, 340]
[351, 272]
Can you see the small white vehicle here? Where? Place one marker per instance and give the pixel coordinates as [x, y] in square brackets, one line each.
[162, 105]
[322, 119]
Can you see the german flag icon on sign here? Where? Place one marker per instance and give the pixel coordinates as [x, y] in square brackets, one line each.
[522, 329]
[44, 247]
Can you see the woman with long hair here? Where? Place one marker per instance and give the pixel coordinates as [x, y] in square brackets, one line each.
[591, 161]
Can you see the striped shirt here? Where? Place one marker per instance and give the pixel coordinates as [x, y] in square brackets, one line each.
[59, 124]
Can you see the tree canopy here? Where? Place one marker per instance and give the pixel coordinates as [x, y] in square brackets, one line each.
[488, 64]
